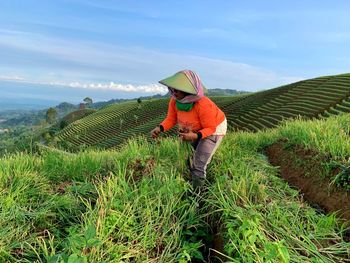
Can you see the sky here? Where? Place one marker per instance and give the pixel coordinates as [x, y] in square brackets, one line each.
[69, 49]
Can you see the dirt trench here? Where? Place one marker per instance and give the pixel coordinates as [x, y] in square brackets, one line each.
[302, 169]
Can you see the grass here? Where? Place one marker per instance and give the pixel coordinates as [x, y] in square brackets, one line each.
[97, 206]
[330, 136]
[134, 205]
[263, 219]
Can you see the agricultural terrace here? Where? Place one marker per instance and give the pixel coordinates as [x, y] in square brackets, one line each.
[76, 115]
[135, 205]
[314, 98]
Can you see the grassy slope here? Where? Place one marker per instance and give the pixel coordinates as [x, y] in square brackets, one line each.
[135, 206]
[263, 218]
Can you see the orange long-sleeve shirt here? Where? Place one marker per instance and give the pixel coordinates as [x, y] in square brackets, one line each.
[204, 117]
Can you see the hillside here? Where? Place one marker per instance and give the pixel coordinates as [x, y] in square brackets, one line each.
[135, 205]
[313, 98]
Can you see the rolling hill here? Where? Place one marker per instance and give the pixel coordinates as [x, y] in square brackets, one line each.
[314, 98]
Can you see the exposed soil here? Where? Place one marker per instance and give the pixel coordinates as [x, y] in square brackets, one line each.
[141, 168]
[213, 241]
[216, 251]
[303, 170]
[61, 188]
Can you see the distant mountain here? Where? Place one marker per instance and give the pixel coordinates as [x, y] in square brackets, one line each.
[25, 104]
[100, 104]
[15, 117]
[225, 92]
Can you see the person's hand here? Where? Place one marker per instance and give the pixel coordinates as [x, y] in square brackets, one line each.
[155, 132]
[188, 136]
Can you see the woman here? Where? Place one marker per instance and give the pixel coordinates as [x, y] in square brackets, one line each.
[200, 121]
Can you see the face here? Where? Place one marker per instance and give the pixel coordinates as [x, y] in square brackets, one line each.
[179, 94]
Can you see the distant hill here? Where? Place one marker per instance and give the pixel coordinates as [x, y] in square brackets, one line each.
[225, 92]
[100, 104]
[24, 105]
[209, 92]
[12, 118]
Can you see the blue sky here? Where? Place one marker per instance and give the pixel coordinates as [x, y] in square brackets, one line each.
[122, 48]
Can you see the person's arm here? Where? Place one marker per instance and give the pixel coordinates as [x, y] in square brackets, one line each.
[155, 132]
[169, 121]
[171, 118]
[189, 136]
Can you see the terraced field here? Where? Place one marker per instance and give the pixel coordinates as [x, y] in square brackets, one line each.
[313, 98]
[76, 115]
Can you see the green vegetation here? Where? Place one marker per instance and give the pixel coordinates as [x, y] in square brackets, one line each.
[15, 118]
[20, 130]
[314, 98]
[134, 205]
[74, 116]
[51, 115]
[96, 206]
[88, 101]
[17, 139]
[113, 124]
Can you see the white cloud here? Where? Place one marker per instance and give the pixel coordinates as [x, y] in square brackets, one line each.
[151, 88]
[82, 64]
[11, 77]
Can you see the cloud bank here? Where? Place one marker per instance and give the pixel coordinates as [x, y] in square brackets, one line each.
[151, 88]
[94, 65]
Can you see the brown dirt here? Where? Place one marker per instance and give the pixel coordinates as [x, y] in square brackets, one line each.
[61, 188]
[141, 168]
[18, 252]
[213, 250]
[302, 169]
[216, 255]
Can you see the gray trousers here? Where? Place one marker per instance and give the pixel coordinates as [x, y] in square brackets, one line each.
[204, 150]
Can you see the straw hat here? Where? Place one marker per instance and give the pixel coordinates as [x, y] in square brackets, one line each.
[179, 81]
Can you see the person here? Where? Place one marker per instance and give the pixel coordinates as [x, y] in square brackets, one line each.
[199, 120]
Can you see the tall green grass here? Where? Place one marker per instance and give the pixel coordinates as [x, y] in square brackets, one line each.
[328, 136]
[134, 205]
[98, 206]
[263, 219]
[29, 206]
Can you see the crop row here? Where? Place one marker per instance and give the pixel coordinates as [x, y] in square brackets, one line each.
[123, 121]
[100, 117]
[142, 129]
[307, 99]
